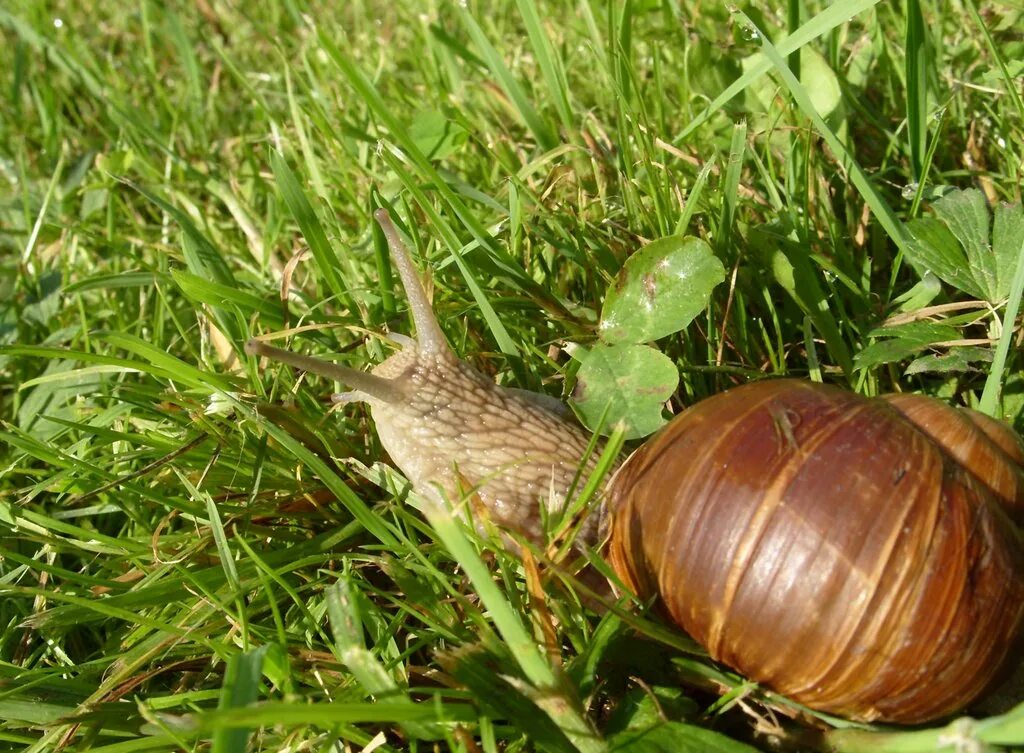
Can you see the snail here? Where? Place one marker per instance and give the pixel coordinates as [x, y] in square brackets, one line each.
[860, 556]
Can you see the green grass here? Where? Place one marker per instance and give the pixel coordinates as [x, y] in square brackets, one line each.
[196, 554]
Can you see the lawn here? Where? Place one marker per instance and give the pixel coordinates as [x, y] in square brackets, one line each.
[199, 551]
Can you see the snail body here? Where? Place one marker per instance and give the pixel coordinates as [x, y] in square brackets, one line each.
[857, 555]
[453, 432]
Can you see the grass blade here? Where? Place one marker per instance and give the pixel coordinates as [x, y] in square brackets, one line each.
[241, 688]
[564, 711]
[347, 630]
[916, 71]
[989, 402]
[893, 227]
[824, 22]
[310, 226]
[549, 62]
[523, 107]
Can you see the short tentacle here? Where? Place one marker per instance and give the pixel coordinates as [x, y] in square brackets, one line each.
[369, 385]
[401, 340]
[429, 337]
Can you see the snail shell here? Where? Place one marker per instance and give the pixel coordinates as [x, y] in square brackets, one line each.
[825, 546]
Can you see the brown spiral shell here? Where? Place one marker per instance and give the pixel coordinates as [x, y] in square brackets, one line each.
[853, 554]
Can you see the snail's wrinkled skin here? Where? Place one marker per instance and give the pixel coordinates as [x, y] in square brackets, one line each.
[454, 433]
[459, 432]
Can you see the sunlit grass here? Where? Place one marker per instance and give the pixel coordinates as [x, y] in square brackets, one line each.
[197, 552]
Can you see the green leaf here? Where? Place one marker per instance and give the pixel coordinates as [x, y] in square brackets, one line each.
[903, 341]
[966, 215]
[994, 382]
[823, 86]
[1007, 729]
[630, 382]
[43, 303]
[954, 244]
[816, 26]
[816, 76]
[956, 360]
[325, 714]
[61, 391]
[923, 293]
[1007, 233]
[856, 174]
[33, 711]
[160, 359]
[549, 61]
[916, 65]
[435, 135]
[521, 101]
[350, 647]
[960, 734]
[644, 708]
[583, 669]
[114, 281]
[923, 332]
[275, 665]
[241, 687]
[202, 257]
[557, 701]
[935, 249]
[660, 289]
[674, 737]
[206, 291]
[488, 677]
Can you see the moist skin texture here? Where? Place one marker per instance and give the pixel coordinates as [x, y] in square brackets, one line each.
[454, 433]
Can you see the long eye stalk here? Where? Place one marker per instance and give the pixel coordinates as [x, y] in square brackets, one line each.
[429, 337]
